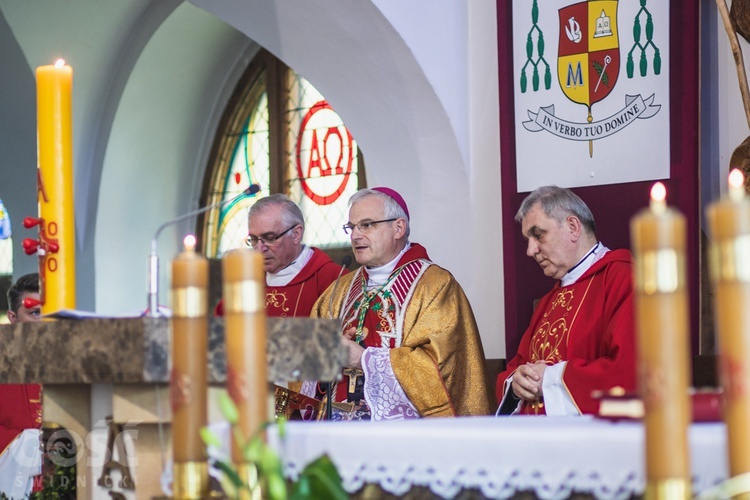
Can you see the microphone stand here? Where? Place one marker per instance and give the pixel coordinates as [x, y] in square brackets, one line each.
[153, 258]
[345, 262]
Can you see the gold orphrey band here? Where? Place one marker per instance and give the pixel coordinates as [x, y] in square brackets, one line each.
[244, 297]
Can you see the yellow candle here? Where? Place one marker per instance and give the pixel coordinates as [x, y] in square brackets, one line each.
[57, 264]
[729, 227]
[245, 330]
[658, 239]
[189, 378]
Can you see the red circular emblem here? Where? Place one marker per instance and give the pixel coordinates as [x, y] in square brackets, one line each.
[324, 154]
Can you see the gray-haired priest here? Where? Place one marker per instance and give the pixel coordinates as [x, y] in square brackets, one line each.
[414, 348]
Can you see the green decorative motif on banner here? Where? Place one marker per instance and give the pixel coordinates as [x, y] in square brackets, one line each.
[643, 62]
[535, 61]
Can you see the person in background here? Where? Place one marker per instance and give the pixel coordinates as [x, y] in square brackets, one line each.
[296, 274]
[582, 333]
[20, 406]
[27, 287]
[414, 346]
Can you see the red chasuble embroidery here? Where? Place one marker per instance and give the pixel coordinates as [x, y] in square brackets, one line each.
[550, 341]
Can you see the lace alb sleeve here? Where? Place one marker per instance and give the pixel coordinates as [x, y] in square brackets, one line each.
[384, 395]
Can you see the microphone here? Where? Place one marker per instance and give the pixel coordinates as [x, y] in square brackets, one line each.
[344, 264]
[153, 258]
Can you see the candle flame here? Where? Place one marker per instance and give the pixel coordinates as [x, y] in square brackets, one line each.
[736, 182]
[658, 192]
[60, 63]
[189, 242]
[736, 178]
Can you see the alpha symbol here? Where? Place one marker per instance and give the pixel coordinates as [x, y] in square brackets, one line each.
[602, 26]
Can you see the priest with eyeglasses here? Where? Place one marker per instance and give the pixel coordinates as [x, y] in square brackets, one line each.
[296, 274]
[414, 346]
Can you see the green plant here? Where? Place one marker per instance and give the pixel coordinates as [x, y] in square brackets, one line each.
[319, 479]
[60, 485]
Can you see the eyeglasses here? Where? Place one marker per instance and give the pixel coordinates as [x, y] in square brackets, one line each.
[364, 226]
[266, 239]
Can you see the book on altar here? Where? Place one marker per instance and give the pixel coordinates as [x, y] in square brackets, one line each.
[618, 405]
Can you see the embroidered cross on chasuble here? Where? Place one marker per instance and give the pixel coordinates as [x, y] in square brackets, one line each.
[381, 309]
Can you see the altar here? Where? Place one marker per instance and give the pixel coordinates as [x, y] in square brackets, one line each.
[549, 457]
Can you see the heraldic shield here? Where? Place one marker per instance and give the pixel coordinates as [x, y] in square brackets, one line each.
[588, 58]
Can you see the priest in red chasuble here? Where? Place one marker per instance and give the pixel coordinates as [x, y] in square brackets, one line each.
[296, 274]
[582, 335]
[20, 406]
[414, 348]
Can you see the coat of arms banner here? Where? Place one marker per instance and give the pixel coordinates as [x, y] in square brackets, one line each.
[591, 91]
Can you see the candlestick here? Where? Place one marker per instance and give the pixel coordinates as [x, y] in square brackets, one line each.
[55, 187]
[658, 238]
[189, 381]
[729, 230]
[245, 327]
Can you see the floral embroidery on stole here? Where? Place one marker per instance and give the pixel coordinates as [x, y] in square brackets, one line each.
[390, 304]
[549, 342]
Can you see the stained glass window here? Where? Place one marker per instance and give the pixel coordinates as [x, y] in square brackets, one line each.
[323, 168]
[279, 132]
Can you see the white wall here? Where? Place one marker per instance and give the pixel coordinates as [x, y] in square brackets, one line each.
[154, 162]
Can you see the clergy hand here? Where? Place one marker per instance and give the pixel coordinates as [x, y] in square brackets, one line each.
[355, 353]
[350, 333]
[527, 381]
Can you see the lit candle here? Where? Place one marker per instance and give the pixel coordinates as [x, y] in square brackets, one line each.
[245, 329]
[658, 238]
[189, 371]
[57, 264]
[729, 228]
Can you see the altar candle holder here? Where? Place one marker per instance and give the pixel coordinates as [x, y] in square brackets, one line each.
[245, 327]
[659, 241]
[729, 258]
[189, 377]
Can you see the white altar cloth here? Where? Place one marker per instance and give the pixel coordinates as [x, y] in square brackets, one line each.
[551, 456]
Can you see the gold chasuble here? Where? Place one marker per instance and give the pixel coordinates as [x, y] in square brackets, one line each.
[589, 324]
[422, 315]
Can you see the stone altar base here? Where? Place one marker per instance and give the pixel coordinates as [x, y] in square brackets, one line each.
[92, 369]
